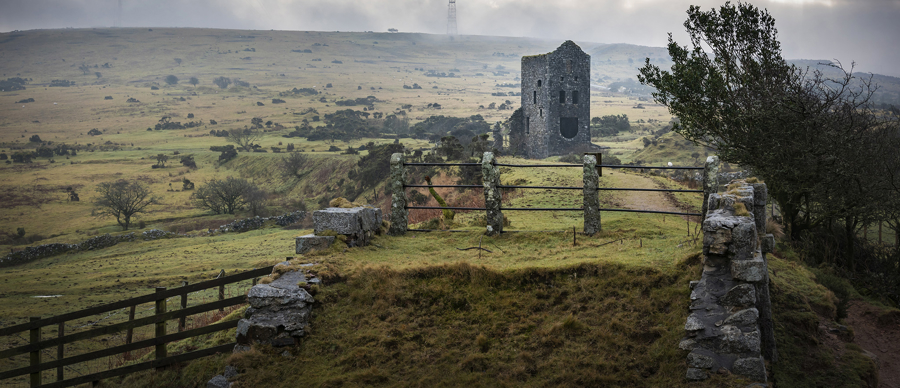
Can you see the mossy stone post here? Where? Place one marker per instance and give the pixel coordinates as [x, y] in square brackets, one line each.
[491, 180]
[591, 196]
[710, 181]
[399, 213]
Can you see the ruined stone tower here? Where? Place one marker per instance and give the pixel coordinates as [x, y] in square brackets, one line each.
[556, 101]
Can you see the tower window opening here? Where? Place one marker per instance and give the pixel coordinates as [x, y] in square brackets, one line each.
[562, 96]
[534, 97]
[539, 83]
[569, 66]
[527, 124]
[574, 96]
[542, 112]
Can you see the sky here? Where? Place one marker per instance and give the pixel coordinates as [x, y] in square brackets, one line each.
[861, 31]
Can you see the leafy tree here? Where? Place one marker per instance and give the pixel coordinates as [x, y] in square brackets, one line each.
[178, 61]
[226, 196]
[194, 81]
[244, 138]
[188, 161]
[450, 148]
[811, 138]
[161, 159]
[97, 73]
[222, 82]
[396, 125]
[123, 200]
[34, 139]
[171, 79]
[516, 128]
[610, 125]
[84, 69]
[376, 166]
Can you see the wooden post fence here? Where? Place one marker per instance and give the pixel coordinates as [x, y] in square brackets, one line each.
[160, 326]
[36, 344]
[35, 356]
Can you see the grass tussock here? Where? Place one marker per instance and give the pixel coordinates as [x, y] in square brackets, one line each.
[463, 324]
[799, 304]
[740, 210]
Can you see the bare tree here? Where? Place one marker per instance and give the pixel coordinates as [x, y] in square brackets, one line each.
[123, 200]
[244, 138]
[229, 195]
[293, 164]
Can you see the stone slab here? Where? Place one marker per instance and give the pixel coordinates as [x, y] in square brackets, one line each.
[311, 242]
[346, 221]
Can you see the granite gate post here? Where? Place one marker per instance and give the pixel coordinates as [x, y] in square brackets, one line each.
[399, 213]
[591, 196]
[490, 175]
[710, 182]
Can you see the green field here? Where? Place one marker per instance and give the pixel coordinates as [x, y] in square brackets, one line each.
[547, 306]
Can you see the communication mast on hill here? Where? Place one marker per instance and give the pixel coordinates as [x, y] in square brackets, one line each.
[451, 18]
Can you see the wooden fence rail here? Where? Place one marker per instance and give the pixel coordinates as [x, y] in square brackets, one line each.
[159, 319]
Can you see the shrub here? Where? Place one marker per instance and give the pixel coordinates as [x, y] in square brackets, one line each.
[222, 82]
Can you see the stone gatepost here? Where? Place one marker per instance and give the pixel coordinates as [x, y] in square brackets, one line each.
[490, 175]
[591, 196]
[710, 181]
[730, 324]
[399, 213]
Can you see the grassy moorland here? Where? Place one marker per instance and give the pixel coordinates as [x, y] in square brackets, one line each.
[545, 307]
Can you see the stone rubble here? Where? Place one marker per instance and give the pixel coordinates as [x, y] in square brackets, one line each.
[279, 312]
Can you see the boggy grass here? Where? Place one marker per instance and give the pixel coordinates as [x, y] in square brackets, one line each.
[462, 324]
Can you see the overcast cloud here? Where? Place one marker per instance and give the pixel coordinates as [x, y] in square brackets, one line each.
[864, 31]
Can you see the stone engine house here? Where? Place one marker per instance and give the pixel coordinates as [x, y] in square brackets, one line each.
[556, 101]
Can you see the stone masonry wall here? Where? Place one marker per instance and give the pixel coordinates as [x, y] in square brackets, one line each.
[730, 323]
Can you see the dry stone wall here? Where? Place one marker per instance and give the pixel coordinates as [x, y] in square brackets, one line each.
[730, 323]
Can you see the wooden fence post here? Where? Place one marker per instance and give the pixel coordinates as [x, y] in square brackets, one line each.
[222, 290]
[183, 320]
[35, 354]
[60, 350]
[160, 326]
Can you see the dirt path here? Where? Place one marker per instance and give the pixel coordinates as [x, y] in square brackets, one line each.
[880, 335]
[639, 200]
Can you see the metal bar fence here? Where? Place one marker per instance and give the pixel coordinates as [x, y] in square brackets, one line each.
[557, 187]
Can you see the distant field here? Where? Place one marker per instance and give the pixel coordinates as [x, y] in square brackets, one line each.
[131, 62]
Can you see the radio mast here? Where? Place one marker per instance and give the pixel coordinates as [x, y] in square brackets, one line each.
[451, 18]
